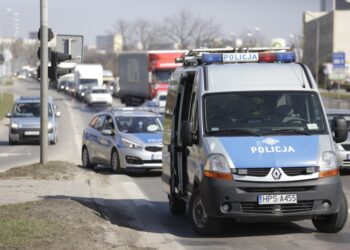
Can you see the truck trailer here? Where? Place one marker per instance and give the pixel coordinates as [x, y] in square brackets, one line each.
[144, 74]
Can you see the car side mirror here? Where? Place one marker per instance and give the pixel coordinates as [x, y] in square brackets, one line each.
[340, 129]
[8, 115]
[108, 132]
[188, 138]
[58, 114]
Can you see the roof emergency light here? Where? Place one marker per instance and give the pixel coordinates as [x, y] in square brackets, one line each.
[267, 57]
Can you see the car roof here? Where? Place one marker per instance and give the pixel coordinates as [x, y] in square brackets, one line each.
[132, 112]
[31, 99]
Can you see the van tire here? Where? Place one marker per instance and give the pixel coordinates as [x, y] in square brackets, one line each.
[201, 222]
[176, 205]
[335, 222]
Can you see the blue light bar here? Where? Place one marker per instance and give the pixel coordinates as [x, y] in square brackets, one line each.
[285, 57]
[212, 58]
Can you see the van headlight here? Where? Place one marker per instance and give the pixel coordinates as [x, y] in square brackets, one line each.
[328, 164]
[130, 144]
[49, 126]
[217, 167]
[14, 125]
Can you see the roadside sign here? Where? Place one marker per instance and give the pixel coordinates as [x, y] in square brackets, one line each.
[338, 60]
[71, 44]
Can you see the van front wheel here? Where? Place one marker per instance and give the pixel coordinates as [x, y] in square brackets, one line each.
[335, 222]
[202, 223]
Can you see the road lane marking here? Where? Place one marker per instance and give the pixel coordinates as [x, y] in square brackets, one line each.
[14, 154]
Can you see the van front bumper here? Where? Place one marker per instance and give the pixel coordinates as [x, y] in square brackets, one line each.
[242, 199]
[29, 135]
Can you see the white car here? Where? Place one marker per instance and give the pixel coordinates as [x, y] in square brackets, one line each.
[344, 147]
[161, 98]
[99, 95]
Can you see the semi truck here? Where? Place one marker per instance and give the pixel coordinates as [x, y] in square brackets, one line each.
[143, 74]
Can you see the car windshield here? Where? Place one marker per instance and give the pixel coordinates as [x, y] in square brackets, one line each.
[88, 81]
[162, 98]
[163, 75]
[263, 113]
[99, 91]
[139, 124]
[29, 110]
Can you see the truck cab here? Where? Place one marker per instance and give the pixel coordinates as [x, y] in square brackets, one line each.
[246, 137]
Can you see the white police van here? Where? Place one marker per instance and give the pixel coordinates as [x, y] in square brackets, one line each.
[246, 137]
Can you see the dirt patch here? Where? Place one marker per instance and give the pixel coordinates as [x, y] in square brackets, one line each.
[51, 224]
[55, 170]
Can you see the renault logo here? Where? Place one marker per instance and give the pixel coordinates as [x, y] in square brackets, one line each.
[276, 174]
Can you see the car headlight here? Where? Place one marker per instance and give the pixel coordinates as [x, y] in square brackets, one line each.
[328, 164]
[14, 125]
[49, 126]
[80, 86]
[217, 167]
[130, 144]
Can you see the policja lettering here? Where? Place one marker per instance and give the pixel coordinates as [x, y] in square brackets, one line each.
[272, 149]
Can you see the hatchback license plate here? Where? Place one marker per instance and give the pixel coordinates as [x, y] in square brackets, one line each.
[31, 132]
[277, 199]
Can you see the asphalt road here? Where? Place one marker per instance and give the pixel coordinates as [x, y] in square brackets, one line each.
[147, 209]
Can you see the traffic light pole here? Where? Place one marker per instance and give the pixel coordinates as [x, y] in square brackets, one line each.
[44, 81]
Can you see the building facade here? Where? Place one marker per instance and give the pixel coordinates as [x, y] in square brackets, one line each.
[325, 33]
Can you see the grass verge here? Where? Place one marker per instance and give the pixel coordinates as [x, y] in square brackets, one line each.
[6, 102]
[50, 224]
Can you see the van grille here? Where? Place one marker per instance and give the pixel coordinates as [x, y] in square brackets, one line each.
[260, 172]
[254, 207]
[294, 171]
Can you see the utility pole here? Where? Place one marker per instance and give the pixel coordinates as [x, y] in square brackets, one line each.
[44, 81]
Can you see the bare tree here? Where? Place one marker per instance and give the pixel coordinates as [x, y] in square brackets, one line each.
[126, 30]
[188, 30]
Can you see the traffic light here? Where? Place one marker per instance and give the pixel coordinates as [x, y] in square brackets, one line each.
[57, 58]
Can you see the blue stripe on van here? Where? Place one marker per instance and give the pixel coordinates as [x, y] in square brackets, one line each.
[272, 151]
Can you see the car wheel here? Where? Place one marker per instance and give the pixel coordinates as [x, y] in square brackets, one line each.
[202, 223]
[335, 222]
[85, 159]
[115, 163]
[176, 205]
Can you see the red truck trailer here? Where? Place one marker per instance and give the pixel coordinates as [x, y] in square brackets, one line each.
[143, 74]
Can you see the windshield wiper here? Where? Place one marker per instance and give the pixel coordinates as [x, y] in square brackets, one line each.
[287, 131]
[235, 131]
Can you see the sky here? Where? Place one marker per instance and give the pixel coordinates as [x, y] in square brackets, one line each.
[274, 18]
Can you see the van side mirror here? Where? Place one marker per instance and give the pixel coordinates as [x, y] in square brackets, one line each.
[8, 115]
[188, 138]
[340, 129]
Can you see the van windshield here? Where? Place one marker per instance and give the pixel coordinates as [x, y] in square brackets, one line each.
[29, 110]
[263, 113]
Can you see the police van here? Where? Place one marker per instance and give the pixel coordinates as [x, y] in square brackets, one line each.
[246, 137]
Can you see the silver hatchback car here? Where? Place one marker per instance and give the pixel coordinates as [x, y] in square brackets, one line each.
[25, 120]
[125, 138]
